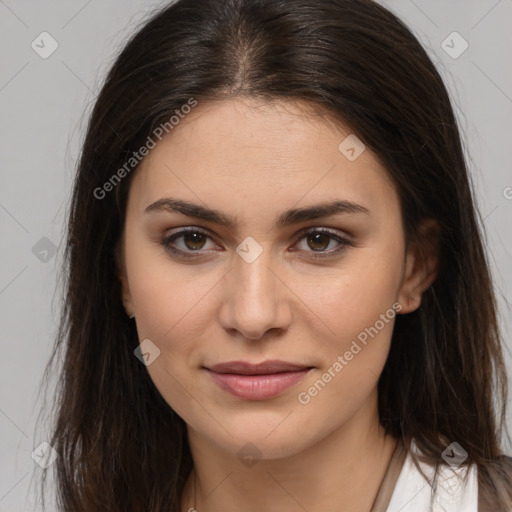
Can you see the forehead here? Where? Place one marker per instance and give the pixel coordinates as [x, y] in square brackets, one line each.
[268, 155]
[281, 131]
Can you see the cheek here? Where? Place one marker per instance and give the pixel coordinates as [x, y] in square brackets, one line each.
[167, 298]
[354, 296]
[170, 313]
[175, 305]
[361, 311]
[358, 304]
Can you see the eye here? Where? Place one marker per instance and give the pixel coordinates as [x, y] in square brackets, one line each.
[319, 239]
[193, 240]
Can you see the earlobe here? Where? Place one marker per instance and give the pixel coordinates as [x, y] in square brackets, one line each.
[421, 265]
[121, 274]
[126, 296]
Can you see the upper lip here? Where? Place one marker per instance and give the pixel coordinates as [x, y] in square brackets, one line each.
[264, 368]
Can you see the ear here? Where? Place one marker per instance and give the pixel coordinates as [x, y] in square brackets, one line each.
[121, 274]
[421, 265]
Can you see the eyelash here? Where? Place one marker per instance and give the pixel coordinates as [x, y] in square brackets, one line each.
[344, 243]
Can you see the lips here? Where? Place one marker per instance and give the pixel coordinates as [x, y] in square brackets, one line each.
[257, 381]
[266, 367]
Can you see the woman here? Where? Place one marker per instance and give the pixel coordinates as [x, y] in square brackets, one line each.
[277, 293]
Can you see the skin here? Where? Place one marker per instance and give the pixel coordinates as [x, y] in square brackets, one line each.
[253, 161]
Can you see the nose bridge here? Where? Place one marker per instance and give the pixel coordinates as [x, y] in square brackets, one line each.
[254, 279]
[254, 298]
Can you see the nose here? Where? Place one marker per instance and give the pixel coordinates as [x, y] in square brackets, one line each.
[256, 298]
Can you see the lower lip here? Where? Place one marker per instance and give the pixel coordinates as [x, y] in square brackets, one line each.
[257, 387]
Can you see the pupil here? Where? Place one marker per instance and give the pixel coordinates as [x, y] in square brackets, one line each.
[194, 238]
[318, 239]
[191, 239]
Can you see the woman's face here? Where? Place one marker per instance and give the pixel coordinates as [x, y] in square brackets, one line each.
[261, 289]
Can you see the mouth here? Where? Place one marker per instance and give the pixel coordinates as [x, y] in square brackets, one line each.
[257, 381]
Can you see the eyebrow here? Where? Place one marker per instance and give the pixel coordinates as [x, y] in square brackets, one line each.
[286, 218]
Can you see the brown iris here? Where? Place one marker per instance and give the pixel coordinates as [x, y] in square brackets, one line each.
[317, 239]
[192, 240]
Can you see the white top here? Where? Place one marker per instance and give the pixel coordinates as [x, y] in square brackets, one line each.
[412, 493]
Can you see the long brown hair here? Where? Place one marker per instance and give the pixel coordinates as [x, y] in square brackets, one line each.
[121, 447]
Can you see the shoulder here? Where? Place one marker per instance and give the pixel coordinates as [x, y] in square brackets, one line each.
[495, 485]
[423, 487]
[468, 488]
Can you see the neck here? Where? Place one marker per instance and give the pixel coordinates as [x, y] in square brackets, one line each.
[341, 472]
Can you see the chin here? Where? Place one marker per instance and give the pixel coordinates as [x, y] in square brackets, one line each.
[267, 436]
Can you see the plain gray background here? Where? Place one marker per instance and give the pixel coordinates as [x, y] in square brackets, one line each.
[43, 104]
